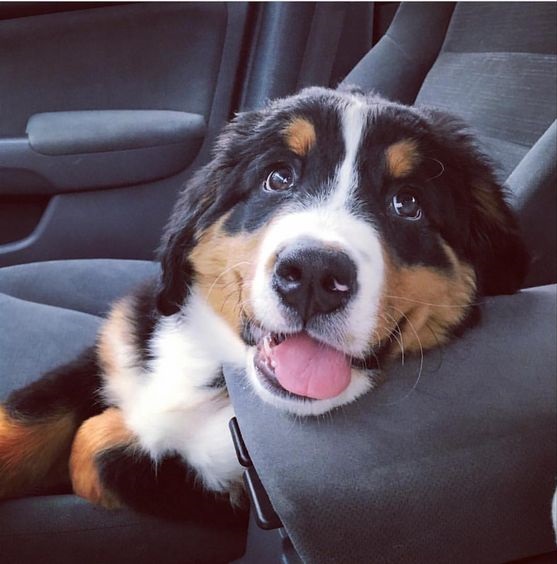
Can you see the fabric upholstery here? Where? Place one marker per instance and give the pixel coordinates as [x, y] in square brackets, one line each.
[497, 70]
[49, 311]
[65, 529]
[89, 286]
[455, 465]
[397, 65]
[534, 185]
[35, 338]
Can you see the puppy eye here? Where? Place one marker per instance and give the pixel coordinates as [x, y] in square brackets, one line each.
[280, 178]
[405, 204]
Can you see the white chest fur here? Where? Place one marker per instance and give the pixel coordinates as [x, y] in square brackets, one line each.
[172, 407]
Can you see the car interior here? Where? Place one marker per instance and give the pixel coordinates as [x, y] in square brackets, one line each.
[106, 110]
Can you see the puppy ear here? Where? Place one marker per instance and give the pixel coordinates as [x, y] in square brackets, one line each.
[179, 240]
[492, 238]
[495, 244]
[206, 197]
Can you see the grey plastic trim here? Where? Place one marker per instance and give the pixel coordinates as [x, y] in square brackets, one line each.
[94, 131]
[25, 171]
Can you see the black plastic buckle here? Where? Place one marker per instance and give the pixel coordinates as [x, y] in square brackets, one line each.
[265, 515]
[239, 445]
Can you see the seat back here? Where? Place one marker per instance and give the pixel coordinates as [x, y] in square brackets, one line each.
[496, 69]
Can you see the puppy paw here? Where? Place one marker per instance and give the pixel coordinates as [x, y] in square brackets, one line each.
[95, 436]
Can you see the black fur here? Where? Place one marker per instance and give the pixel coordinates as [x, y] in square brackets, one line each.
[169, 488]
[218, 382]
[495, 248]
[72, 387]
[145, 317]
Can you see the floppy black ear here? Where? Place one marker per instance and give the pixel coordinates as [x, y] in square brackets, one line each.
[492, 239]
[179, 240]
[203, 200]
[495, 243]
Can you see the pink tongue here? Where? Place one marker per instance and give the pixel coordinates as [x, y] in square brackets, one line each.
[309, 368]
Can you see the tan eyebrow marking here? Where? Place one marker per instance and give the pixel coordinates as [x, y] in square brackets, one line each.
[300, 136]
[402, 157]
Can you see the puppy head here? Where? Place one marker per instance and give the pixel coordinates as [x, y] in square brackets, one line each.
[332, 230]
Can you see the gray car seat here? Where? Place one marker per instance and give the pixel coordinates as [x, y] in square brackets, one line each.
[455, 469]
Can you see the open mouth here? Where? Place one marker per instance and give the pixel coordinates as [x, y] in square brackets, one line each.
[302, 366]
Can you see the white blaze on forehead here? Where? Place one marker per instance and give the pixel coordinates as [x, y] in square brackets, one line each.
[333, 222]
[353, 117]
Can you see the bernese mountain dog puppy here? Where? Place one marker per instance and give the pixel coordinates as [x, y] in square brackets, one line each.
[330, 231]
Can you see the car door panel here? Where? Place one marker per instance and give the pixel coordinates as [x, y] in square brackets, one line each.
[137, 56]
[108, 100]
[74, 151]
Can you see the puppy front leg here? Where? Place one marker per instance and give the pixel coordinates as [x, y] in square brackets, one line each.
[109, 467]
[97, 436]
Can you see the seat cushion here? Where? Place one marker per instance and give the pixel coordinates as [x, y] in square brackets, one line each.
[88, 285]
[65, 529]
[36, 337]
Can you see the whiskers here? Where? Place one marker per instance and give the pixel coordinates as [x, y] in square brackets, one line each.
[441, 165]
[398, 338]
[241, 311]
[224, 272]
[431, 304]
[421, 365]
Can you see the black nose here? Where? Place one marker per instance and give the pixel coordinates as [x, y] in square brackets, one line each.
[314, 280]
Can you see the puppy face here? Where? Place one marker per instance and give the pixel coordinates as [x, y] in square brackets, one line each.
[334, 230]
